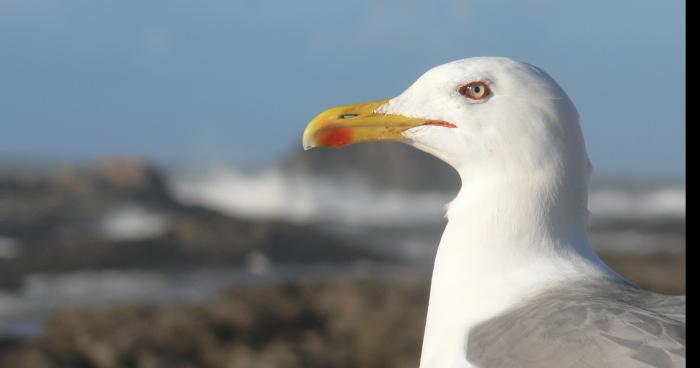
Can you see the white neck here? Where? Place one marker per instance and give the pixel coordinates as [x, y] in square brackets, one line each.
[505, 238]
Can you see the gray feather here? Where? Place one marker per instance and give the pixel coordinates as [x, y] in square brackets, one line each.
[587, 324]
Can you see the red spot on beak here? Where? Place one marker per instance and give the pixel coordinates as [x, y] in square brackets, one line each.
[440, 123]
[335, 138]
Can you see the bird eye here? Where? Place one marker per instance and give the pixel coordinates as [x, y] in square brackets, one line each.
[475, 90]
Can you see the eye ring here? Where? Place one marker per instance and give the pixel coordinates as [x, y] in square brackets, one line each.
[475, 90]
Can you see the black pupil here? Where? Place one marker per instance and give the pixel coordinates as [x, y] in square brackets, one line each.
[477, 89]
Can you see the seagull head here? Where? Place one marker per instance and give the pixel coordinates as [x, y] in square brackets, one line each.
[491, 118]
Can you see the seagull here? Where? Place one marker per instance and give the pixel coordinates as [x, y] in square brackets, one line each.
[515, 281]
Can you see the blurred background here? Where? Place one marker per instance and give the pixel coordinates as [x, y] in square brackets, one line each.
[156, 209]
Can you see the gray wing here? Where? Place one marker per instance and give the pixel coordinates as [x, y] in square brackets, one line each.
[589, 324]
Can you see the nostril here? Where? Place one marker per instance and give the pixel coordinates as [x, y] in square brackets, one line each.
[348, 116]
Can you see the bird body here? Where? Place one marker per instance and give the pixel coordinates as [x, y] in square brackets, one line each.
[515, 255]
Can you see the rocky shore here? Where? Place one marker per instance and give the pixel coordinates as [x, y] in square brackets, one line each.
[120, 214]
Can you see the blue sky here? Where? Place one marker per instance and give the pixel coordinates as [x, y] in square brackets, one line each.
[237, 81]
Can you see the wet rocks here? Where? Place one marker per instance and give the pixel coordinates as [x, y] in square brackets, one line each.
[120, 214]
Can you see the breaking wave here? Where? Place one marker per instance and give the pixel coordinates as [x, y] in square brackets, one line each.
[274, 194]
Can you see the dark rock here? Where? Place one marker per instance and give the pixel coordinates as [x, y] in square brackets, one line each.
[347, 324]
[57, 217]
[385, 165]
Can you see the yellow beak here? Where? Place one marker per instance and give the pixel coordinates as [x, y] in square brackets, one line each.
[343, 125]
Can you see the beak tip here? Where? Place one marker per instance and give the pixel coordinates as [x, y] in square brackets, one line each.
[307, 143]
